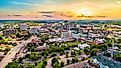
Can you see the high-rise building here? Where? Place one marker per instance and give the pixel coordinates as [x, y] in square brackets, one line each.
[66, 34]
[33, 30]
[23, 26]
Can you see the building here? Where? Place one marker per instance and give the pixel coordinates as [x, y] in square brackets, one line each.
[2, 26]
[41, 48]
[76, 36]
[23, 26]
[83, 35]
[65, 34]
[82, 46]
[100, 41]
[92, 35]
[86, 26]
[33, 30]
[9, 32]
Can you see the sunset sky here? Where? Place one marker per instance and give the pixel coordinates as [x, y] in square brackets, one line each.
[60, 9]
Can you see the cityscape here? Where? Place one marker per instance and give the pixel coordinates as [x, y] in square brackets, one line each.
[60, 34]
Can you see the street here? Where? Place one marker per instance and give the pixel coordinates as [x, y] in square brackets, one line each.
[11, 54]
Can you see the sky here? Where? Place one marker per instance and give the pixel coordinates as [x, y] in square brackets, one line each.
[59, 9]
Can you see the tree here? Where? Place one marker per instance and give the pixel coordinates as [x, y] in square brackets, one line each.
[107, 54]
[73, 53]
[119, 41]
[56, 65]
[117, 57]
[53, 54]
[20, 59]
[46, 53]
[33, 57]
[93, 52]
[1, 38]
[54, 60]
[68, 61]
[103, 47]
[12, 65]
[29, 66]
[40, 65]
[62, 64]
[18, 35]
[119, 46]
[76, 59]
[43, 53]
[7, 49]
[36, 63]
[21, 66]
[67, 55]
[73, 60]
[83, 59]
[61, 53]
[45, 62]
[27, 55]
[43, 39]
[86, 50]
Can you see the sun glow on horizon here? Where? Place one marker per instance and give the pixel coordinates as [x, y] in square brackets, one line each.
[84, 11]
[75, 9]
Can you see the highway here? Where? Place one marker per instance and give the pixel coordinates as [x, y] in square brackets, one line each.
[11, 54]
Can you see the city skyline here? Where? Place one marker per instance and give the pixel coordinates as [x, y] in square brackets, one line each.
[59, 9]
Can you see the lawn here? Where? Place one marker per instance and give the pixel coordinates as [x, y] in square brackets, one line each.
[40, 65]
[73, 43]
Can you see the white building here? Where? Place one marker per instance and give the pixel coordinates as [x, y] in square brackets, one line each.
[2, 26]
[91, 35]
[23, 26]
[33, 30]
[59, 40]
[76, 48]
[100, 40]
[82, 46]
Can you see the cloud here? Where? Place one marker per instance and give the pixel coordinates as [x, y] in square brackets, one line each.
[46, 12]
[17, 15]
[29, 4]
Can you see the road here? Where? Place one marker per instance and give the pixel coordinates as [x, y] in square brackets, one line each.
[11, 54]
[83, 64]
